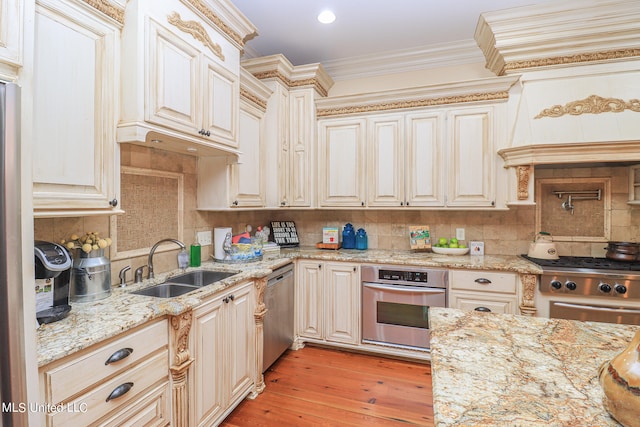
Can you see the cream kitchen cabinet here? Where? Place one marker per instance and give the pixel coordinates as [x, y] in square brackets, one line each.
[341, 162]
[124, 381]
[223, 184]
[328, 302]
[180, 72]
[75, 109]
[222, 342]
[11, 37]
[481, 290]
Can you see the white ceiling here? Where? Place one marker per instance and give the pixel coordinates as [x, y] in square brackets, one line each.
[363, 27]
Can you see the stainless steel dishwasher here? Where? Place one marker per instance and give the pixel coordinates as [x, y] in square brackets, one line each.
[278, 321]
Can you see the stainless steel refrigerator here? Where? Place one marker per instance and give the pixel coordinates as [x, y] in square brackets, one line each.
[13, 372]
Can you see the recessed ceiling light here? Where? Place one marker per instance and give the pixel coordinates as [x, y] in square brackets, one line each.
[326, 17]
[191, 149]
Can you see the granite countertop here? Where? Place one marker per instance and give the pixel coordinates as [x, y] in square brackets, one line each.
[90, 323]
[505, 370]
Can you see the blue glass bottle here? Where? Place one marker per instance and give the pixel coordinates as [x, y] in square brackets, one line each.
[348, 237]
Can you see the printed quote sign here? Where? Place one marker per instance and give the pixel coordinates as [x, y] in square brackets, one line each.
[285, 233]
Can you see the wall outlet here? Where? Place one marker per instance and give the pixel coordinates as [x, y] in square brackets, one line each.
[477, 248]
[460, 233]
[204, 237]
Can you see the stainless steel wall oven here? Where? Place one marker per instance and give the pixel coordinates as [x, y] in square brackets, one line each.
[396, 302]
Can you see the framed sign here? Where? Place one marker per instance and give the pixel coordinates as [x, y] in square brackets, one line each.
[285, 233]
[419, 237]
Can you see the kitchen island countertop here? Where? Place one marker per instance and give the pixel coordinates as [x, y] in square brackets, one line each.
[91, 323]
[505, 370]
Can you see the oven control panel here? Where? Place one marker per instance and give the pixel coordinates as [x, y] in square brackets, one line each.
[403, 276]
[612, 286]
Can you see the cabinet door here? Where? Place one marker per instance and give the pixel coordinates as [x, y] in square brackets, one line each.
[342, 303]
[385, 172]
[247, 185]
[309, 299]
[75, 158]
[470, 165]
[11, 31]
[341, 163]
[424, 159]
[241, 342]
[221, 95]
[208, 335]
[302, 119]
[172, 88]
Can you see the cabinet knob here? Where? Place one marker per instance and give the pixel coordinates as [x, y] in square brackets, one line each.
[232, 297]
[119, 355]
[361, 203]
[283, 203]
[235, 203]
[119, 391]
[319, 265]
[482, 309]
[113, 203]
[225, 300]
[401, 204]
[407, 204]
[355, 269]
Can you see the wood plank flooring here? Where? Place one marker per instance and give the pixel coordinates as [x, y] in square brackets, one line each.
[323, 387]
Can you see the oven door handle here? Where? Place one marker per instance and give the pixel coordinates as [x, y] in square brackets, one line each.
[405, 289]
[593, 308]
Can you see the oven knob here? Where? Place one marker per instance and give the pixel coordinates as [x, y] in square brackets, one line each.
[604, 287]
[556, 284]
[621, 289]
[571, 285]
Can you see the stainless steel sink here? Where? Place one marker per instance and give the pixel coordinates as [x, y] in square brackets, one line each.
[200, 277]
[166, 290]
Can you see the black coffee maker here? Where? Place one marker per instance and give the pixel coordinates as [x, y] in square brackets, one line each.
[53, 271]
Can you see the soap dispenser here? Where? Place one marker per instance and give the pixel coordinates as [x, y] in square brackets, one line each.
[348, 237]
[194, 260]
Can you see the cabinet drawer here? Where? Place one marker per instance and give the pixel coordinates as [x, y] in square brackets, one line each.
[63, 381]
[482, 281]
[93, 405]
[152, 409]
[472, 301]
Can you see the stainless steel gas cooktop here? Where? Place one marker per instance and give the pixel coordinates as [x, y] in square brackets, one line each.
[576, 263]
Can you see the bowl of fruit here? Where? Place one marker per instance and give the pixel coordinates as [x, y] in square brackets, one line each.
[450, 247]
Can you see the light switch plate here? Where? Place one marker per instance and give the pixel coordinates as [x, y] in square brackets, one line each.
[204, 237]
[477, 248]
[460, 233]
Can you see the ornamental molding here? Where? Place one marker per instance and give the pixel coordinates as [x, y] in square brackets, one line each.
[571, 59]
[427, 102]
[197, 31]
[523, 173]
[528, 305]
[291, 83]
[215, 19]
[112, 11]
[593, 104]
[180, 327]
[255, 100]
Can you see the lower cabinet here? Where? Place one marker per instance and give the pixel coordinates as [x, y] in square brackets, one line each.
[328, 301]
[222, 342]
[486, 291]
[121, 382]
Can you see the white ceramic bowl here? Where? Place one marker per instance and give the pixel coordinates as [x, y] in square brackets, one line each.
[450, 251]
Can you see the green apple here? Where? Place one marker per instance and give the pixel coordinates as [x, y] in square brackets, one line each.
[462, 246]
[443, 241]
[453, 240]
[453, 245]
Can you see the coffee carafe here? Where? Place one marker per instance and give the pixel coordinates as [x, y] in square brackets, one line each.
[52, 274]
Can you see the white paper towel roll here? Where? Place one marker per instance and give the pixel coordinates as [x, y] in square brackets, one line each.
[219, 235]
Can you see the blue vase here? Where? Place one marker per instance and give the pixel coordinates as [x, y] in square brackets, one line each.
[361, 239]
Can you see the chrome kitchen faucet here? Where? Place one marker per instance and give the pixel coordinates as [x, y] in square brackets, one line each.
[153, 249]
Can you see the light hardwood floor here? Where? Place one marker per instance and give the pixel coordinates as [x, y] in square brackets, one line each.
[323, 387]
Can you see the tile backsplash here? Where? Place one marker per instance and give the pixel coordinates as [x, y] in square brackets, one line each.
[503, 232]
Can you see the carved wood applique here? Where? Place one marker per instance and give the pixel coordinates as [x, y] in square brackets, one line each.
[197, 31]
[258, 315]
[528, 304]
[593, 104]
[180, 327]
[523, 173]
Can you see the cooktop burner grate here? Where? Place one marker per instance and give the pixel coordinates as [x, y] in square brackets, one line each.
[585, 262]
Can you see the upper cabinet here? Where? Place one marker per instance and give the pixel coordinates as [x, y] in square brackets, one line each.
[75, 100]
[11, 37]
[223, 184]
[181, 75]
[290, 123]
[428, 147]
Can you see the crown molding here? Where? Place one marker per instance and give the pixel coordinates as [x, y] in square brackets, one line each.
[225, 16]
[411, 59]
[253, 90]
[559, 34]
